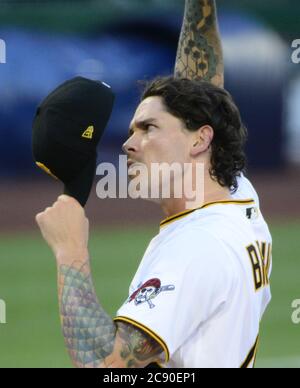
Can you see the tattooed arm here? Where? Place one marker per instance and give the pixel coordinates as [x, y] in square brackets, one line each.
[199, 54]
[92, 338]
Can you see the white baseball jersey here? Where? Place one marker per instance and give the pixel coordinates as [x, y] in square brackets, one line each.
[203, 284]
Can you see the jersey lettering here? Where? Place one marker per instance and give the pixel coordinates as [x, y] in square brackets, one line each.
[260, 257]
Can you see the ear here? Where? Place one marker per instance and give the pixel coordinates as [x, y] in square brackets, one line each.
[202, 140]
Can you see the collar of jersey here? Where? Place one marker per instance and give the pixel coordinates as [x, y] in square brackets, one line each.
[181, 215]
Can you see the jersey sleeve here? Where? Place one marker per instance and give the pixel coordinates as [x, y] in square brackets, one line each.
[187, 282]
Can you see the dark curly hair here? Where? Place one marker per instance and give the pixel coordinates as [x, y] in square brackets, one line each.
[199, 103]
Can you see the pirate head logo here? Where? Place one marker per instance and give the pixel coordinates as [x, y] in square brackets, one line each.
[148, 291]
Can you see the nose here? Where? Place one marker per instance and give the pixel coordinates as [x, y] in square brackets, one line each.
[129, 147]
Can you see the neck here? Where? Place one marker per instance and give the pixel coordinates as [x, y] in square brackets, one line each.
[213, 192]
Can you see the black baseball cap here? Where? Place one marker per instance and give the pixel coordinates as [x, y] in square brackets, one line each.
[67, 129]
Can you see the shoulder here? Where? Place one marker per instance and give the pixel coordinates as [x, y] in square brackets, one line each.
[197, 246]
[246, 190]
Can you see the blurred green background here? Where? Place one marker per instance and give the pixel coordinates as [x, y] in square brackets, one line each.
[32, 337]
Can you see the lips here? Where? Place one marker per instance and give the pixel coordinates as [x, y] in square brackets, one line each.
[130, 163]
[131, 167]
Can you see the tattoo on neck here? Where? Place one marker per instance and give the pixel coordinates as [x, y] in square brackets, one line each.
[88, 330]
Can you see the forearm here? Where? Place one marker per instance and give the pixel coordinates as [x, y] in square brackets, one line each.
[92, 338]
[199, 54]
[88, 330]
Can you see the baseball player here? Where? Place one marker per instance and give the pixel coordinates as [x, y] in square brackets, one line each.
[202, 287]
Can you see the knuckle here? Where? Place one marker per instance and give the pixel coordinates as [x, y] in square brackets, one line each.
[64, 198]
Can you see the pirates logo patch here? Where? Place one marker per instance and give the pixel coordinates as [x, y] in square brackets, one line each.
[148, 291]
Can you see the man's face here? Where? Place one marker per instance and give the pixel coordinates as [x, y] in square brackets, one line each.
[156, 137]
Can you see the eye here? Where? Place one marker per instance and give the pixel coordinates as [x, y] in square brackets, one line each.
[148, 127]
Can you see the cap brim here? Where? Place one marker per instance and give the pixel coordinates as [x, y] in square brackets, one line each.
[80, 187]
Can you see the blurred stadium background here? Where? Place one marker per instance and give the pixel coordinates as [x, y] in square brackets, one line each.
[122, 41]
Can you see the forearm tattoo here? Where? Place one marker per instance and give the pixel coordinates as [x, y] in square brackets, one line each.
[92, 338]
[88, 330]
[199, 55]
